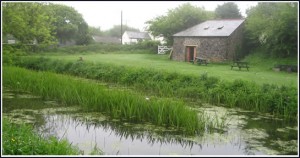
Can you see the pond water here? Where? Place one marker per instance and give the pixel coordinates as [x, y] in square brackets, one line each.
[246, 132]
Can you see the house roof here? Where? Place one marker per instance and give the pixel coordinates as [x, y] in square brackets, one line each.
[222, 27]
[103, 39]
[137, 35]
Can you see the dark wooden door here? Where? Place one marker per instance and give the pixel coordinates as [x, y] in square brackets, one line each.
[190, 53]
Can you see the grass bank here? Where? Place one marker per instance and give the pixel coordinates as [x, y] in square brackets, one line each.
[271, 98]
[260, 70]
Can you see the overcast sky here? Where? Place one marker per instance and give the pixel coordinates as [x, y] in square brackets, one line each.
[107, 14]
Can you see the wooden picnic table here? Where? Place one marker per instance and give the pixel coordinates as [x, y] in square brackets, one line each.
[200, 61]
[240, 65]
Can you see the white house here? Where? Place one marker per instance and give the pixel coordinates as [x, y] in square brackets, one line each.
[130, 37]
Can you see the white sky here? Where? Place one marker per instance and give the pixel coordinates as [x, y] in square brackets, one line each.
[106, 14]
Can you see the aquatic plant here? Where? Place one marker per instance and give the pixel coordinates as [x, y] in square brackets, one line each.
[95, 97]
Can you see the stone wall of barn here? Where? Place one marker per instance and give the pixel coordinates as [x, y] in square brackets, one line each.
[178, 49]
[235, 42]
[211, 48]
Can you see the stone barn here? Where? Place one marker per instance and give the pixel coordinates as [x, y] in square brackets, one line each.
[214, 40]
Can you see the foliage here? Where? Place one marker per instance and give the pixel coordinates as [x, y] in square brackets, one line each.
[146, 46]
[176, 20]
[46, 23]
[116, 30]
[228, 10]
[21, 140]
[94, 97]
[274, 26]
[10, 53]
[211, 89]
[83, 36]
[258, 57]
[95, 31]
[69, 24]
[28, 21]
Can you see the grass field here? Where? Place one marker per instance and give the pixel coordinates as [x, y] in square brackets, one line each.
[260, 70]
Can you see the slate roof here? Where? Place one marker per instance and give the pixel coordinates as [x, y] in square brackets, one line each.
[103, 39]
[212, 28]
[138, 35]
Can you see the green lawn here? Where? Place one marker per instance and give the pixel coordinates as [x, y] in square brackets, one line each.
[259, 73]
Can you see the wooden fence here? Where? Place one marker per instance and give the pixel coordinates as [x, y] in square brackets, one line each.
[163, 49]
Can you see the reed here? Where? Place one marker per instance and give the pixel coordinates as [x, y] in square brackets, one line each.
[279, 100]
[94, 97]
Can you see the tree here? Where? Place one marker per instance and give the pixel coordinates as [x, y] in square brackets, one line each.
[176, 20]
[274, 26]
[43, 22]
[28, 22]
[83, 36]
[95, 31]
[116, 30]
[228, 11]
[69, 24]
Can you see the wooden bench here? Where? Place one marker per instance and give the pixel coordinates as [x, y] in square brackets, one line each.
[200, 61]
[240, 65]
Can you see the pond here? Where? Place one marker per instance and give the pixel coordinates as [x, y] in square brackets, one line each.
[246, 132]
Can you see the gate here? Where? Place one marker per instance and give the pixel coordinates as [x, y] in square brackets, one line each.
[163, 49]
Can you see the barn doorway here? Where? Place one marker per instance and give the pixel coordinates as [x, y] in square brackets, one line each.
[190, 53]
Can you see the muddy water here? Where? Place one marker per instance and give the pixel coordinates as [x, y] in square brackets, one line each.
[245, 132]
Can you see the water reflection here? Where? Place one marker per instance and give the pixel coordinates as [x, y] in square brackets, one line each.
[112, 137]
[247, 133]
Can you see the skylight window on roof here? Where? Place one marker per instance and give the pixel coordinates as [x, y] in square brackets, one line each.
[220, 27]
[206, 27]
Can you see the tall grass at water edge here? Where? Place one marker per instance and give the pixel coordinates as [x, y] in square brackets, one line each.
[94, 97]
[19, 139]
[277, 100]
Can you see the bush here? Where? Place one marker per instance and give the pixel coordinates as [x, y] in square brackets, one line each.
[141, 47]
[11, 52]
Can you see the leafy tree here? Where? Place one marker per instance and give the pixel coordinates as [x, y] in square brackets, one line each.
[69, 24]
[95, 31]
[274, 27]
[28, 22]
[228, 11]
[176, 20]
[116, 30]
[43, 22]
[83, 36]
